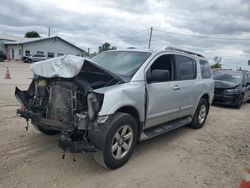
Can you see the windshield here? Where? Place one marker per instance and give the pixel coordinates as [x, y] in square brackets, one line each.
[227, 76]
[122, 63]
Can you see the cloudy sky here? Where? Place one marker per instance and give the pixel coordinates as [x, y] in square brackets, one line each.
[126, 23]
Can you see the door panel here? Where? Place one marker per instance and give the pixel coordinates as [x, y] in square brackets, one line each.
[189, 86]
[163, 103]
[188, 93]
[162, 97]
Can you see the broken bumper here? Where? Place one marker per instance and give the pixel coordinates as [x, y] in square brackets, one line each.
[66, 143]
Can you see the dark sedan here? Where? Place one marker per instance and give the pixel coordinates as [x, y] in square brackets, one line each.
[231, 87]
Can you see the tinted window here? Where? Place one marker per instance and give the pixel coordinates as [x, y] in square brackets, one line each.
[205, 70]
[186, 67]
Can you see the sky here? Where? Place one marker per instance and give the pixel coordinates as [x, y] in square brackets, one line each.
[126, 23]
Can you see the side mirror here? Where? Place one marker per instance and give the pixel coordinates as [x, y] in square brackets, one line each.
[158, 75]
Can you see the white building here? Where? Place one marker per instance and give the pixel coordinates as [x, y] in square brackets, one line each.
[50, 47]
[7, 38]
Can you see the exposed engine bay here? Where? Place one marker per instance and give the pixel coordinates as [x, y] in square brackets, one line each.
[66, 105]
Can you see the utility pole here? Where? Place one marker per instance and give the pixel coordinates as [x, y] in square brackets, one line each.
[49, 32]
[150, 37]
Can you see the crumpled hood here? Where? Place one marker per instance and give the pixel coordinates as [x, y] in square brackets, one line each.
[66, 66]
[225, 85]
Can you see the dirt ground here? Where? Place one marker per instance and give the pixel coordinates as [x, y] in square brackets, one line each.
[214, 156]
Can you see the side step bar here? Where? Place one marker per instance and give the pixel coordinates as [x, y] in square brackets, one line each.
[163, 128]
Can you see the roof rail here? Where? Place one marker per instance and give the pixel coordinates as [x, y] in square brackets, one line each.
[176, 49]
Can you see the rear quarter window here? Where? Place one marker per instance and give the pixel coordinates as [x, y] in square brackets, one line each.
[205, 69]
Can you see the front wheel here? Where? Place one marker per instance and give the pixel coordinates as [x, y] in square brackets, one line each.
[240, 102]
[200, 115]
[29, 61]
[120, 141]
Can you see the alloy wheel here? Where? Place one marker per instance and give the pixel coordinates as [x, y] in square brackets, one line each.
[122, 141]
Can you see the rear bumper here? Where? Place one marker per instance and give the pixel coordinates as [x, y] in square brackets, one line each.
[227, 99]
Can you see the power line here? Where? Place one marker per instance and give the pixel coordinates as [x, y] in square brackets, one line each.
[205, 37]
[134, 33]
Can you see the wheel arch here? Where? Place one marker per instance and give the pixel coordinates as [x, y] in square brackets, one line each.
[207, 98]
[135, 113]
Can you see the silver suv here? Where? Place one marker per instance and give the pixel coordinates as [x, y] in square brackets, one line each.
[34, 58]
[109, 103]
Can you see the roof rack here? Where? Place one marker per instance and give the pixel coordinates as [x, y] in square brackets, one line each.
[176, 49]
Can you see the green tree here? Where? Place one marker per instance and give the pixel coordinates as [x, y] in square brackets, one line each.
[105, 47]
[217, 63]
[32, 34]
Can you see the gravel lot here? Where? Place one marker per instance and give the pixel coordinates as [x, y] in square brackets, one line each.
[214, 156]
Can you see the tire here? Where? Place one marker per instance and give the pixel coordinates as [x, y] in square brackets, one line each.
[46, 131]
[240, 102]
[122, 136]
[200, 115]
[1, 59]
[29, 61]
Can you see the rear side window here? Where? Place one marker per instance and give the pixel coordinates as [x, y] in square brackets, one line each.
[186, 67]
[205, 70]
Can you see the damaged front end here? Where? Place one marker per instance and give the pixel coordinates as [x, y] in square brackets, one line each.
[61, 98]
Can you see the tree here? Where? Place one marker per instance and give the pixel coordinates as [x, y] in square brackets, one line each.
[105, 47]
[32, 34]
[217, 63]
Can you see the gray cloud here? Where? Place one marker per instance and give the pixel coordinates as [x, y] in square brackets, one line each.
[127, 23]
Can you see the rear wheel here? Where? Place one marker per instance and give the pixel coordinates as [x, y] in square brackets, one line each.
[1, 59]
[46, 131]
[120, 141]
[200, 115]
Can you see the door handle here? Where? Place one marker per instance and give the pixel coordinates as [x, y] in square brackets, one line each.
[176, 87]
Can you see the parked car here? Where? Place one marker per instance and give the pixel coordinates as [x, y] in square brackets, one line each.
[2, 56]
[231, 87]
[109, 103]
[34, 58]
